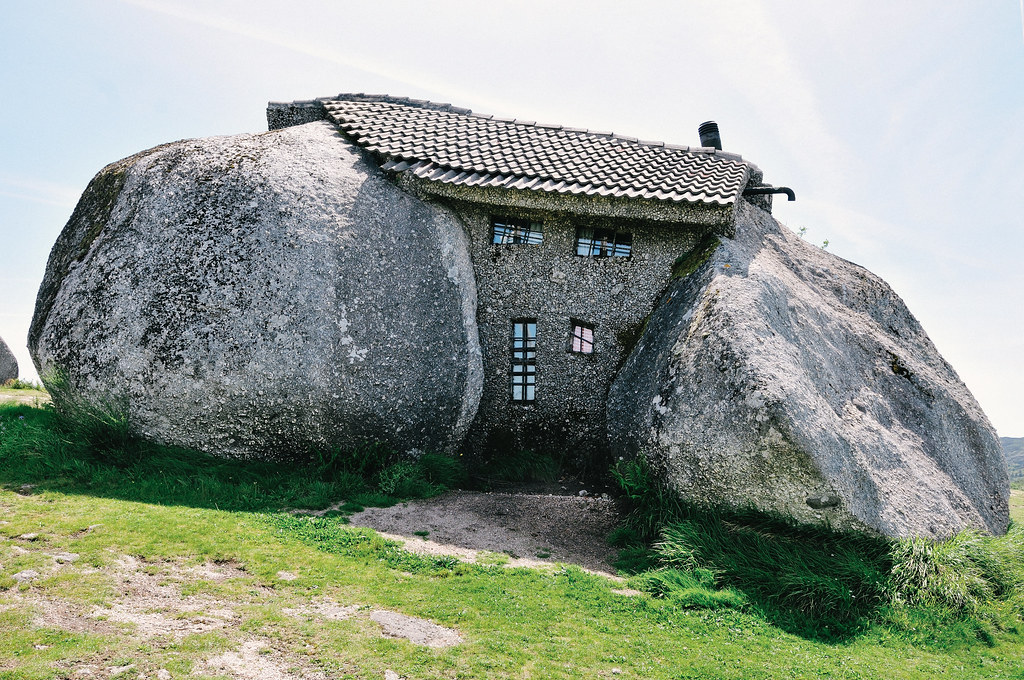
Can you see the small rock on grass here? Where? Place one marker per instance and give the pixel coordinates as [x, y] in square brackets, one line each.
[29, 537]
[391, 675]
[26, 575]
[287, 575]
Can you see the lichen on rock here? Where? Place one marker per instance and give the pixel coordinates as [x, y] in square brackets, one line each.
[778, 376]
[262, 296]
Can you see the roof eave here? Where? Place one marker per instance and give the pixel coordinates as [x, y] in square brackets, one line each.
[718, 217]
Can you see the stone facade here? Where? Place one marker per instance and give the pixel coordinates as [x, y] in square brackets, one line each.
[549, 283]
[286, 114]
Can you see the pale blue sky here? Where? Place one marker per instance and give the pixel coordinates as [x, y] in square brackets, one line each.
[899, 125]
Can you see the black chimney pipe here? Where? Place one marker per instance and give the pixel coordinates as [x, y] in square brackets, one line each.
[709, 135]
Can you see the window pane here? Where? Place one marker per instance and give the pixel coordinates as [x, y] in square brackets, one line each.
[512, 231]
[523, 367]
[582, 339]
[603, 243]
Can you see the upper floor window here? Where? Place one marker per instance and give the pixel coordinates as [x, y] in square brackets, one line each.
[524, 359]
[582, 340]
[513, 230]
[603, 243]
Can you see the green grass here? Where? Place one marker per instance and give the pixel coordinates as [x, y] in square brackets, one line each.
[816, 583]
[724, 597]
[1017, 505]
[95, 452]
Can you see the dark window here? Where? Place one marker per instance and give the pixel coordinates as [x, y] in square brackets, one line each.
[582, 340]
[509, 230]
[524, 359]
[603, 243]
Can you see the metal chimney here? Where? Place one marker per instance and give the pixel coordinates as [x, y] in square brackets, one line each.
[709, 135]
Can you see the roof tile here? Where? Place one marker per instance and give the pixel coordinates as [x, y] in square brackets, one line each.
[443, 143]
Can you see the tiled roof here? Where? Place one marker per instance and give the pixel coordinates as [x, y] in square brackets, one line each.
[441, 143]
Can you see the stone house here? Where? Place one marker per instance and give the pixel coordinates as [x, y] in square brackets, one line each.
[574, 234]
[413, 274]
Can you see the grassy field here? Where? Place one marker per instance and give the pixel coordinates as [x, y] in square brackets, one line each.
[1017, 505]
[119, 570]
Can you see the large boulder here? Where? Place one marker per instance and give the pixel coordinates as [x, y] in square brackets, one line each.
[8, 364]
[261, 296]
[775, 375]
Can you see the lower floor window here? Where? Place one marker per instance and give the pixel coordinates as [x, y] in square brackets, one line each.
[524, 359]
[582, 340]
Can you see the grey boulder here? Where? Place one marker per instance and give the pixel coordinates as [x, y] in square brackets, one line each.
[780, 377]
[262, 296]
[8, 364]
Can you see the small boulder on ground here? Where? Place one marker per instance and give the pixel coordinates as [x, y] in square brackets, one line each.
[778, 376]
[8, 364]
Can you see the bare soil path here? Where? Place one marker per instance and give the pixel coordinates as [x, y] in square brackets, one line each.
[531, 529]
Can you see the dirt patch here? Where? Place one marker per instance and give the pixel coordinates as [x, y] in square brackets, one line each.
[415, 630]
[531, 529]
[254, 660]
[30, 397]
[60, 615]
[153, 602]
[323, 607]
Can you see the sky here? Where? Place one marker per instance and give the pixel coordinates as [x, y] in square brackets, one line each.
[900, 125]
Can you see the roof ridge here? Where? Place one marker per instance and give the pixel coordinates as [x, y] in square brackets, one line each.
[389, 99]
[449, 108]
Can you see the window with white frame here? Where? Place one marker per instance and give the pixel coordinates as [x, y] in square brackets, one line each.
[582, 339]
[603, 243]
[508, 230]
[524, 360]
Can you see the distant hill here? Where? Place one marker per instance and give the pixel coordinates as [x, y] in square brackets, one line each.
[1013, 448]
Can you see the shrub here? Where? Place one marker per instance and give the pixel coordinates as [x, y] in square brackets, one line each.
[19, 384]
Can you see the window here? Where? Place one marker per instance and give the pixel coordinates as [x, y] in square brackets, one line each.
[515, 231]
[582, 340]
[603, 243]
[524, 359]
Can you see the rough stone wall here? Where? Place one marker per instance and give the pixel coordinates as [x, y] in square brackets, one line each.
[550, 283]
[286, 114]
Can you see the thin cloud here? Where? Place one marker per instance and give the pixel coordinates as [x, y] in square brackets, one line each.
[235, 26]
[37, 191]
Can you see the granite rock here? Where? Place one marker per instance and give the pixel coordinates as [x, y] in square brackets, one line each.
[261, 296]
[8, 364]
[778, 376]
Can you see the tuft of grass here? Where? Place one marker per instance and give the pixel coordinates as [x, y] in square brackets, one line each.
[646, 504]
[809, 581]
[693, 589]
[815, 582]
[966, 575]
